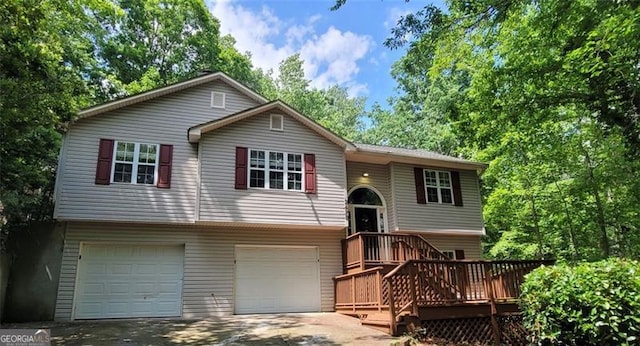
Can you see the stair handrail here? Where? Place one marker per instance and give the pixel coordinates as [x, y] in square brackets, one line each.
[413, 303]
[392, 305]
[431, 247]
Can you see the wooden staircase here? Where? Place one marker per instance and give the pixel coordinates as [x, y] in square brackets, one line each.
[398, 282]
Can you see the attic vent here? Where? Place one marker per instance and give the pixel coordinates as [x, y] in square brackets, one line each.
[217, 99]
[277, 122]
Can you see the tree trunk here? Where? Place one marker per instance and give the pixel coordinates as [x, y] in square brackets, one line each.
[536, 225]
[605, 247]
[572, 237]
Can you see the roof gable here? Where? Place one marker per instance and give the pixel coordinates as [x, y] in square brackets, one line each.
[195, 132]
[155, 93]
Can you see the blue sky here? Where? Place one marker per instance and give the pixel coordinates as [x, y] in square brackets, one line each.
[342, 47]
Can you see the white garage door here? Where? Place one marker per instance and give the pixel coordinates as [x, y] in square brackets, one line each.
[119, 280]
[277, 279]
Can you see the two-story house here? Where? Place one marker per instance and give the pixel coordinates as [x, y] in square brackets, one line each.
[202, 199]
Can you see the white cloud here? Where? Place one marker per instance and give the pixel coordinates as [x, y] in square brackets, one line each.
[252, 32]
[330, 57]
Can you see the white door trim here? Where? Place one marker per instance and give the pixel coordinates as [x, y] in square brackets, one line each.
[235, 267]
[82, 244]
[382, 210]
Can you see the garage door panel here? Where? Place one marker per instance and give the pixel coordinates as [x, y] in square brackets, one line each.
[121, 269]
[277, 279]
[129, 281]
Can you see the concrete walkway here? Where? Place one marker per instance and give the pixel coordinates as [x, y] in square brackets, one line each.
[268, 329]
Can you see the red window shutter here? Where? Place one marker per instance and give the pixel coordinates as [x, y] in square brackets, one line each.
[310, 182]
[459, 254]
[457, 191]
[164, 167]
[418, 174]
[105, 157]
[241, 168]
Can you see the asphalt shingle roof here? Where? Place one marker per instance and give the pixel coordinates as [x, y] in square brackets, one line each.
[417, 153]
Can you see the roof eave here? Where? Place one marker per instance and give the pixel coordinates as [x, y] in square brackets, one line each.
[155, 93]
[410, 159]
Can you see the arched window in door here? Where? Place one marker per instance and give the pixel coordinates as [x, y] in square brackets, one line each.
[366, 211]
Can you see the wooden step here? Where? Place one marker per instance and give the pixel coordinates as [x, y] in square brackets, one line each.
[383, 326]
[377, 315]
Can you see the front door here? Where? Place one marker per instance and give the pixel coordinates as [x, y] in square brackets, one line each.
[365, 219]
[366, 211]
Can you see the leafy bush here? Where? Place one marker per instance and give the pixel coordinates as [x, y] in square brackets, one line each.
[588, 304]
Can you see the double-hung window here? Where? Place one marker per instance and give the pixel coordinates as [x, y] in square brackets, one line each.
[275, 170]
[438, 186]
[135, 163]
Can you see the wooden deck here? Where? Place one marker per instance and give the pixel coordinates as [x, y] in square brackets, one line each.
[397, 282]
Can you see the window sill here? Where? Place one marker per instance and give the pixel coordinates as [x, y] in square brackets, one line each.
[130, 184]
[260, 189]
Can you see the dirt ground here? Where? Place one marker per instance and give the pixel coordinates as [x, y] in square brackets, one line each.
[270, 329]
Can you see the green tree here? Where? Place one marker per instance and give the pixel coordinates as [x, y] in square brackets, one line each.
[44, 51]
[547, 92]
[159, 42]
[333, 107]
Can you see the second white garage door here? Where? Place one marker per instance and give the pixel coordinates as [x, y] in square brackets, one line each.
[277, 279]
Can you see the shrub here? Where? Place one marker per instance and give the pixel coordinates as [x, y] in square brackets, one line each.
[588, 304]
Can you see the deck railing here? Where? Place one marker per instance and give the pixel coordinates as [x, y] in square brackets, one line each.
[362, 290]
[422, 283]
[366, 249]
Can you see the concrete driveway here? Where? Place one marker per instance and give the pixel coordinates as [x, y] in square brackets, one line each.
[270, 329]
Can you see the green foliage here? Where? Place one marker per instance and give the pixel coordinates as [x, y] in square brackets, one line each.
[333, 107]
[148, 44]
[548, 93]
[43, 51]
[588, 304]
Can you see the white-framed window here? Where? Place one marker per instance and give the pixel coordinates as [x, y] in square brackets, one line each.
[275, 170]
[438, 186]
[276, 122]
[218, 99]
[135, 163]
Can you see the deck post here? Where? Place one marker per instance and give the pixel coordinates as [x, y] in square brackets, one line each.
[489, 286]
[392, 308]
[379, 281]
[343, 243]
[361, 244]
[353, 293]
[413, 276]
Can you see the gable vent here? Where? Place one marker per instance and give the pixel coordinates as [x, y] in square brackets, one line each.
[217, 99]
[277, 123]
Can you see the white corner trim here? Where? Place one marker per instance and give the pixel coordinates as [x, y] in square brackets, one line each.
[196, 215]
[62, 158]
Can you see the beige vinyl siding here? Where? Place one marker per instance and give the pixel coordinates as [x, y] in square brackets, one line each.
[412, 216]
[379, 178]
[162, 121]
[209, 259]
[221, 202]
[470, 244]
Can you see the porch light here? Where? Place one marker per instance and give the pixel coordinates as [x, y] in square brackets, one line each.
[365, 174]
